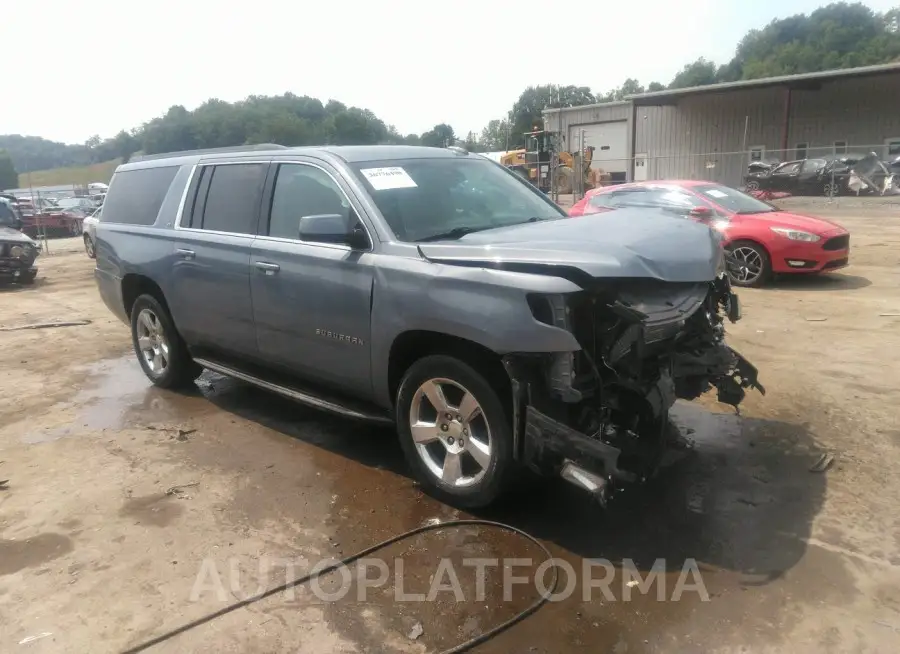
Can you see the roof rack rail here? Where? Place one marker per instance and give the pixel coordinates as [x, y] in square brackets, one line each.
[187, 153]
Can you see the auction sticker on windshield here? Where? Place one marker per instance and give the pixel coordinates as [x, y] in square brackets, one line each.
[383, 179]
[716, 193]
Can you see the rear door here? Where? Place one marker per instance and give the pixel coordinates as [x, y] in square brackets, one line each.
[210, 287]
[312, 300]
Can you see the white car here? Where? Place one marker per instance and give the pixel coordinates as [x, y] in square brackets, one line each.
[89, 232]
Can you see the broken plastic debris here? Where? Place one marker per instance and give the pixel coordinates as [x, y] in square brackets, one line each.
[416, 631]
[816, 319]
[890, 314]
[31, 639]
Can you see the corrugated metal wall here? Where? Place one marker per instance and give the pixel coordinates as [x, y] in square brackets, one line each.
[696, 138]
[702, 137]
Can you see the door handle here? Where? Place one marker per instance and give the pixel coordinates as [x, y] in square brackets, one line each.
[185, 254]
[268, 268]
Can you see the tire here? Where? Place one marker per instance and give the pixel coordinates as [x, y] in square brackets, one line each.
[748, 252]
[831, 190]
[27, 278]
[473, 482]
[167, 362]
[752, 185]
[89, 247]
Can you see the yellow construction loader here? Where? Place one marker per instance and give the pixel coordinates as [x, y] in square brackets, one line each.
[534, 163]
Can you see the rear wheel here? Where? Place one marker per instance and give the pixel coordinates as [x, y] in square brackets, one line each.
[753, 185]
[161, 352]
[89, 246]
[454, 431]
[749, 265]
[831, 189]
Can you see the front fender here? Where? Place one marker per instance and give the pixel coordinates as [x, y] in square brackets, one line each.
[487, 307]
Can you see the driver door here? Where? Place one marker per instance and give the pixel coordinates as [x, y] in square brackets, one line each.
[311, 300]
[785, 176]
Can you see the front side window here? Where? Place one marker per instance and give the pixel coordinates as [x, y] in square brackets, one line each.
[303, 190]
[814, 165]
[232, 196]
[789, 168]
[446, 198]
[732, 199]
[666, 197]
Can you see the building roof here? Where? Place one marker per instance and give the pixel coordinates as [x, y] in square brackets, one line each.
[810, 81]
[596, 105]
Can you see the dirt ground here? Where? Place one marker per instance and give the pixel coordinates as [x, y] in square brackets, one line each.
[120, 495]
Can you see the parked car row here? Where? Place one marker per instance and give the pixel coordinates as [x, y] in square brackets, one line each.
[828, 176]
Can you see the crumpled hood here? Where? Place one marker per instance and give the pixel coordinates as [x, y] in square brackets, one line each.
[632, 243]
[10, 235]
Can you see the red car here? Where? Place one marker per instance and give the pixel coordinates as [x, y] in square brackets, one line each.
[762, 238]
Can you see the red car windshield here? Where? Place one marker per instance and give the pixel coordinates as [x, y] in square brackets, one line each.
[732, 199]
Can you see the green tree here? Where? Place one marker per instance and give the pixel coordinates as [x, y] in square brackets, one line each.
[9, 178]
[440, 136]
[494, 136]
[527, 111]
[698, 73]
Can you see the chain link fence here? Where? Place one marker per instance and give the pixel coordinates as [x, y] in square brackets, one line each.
[809, 171]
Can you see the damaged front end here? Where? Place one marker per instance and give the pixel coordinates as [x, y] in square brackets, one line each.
[598, 416]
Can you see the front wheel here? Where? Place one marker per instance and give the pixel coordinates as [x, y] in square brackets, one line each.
[749, 265]
[752, 185]
[831, 189]
[454, 431]
[161, 352]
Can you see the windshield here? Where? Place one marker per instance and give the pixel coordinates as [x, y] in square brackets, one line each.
[732, 199]
[430, 199]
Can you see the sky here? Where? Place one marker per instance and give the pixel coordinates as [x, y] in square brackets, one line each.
[99, 66]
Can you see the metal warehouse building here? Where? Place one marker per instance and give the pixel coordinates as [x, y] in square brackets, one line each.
[713, 132]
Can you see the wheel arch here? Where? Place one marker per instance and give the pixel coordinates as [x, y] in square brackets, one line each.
[410, 346]
[134, 285]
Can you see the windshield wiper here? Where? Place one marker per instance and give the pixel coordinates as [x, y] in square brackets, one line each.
[455, 233]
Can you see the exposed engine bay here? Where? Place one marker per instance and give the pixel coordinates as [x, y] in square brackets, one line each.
[599, 416]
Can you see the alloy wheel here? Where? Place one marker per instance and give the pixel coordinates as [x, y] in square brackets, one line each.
[748, 264]
[450, 432]
[152, 341]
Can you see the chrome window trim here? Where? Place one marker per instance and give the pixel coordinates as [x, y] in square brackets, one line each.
[266, 237]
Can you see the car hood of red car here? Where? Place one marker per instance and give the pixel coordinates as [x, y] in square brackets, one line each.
[811, 224]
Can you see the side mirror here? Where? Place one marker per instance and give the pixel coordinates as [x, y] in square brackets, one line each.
[333, 228]
[703, 213]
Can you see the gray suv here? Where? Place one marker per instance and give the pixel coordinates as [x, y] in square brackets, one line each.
[430, 288]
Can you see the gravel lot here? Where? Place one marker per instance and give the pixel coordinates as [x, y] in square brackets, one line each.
[120, 494]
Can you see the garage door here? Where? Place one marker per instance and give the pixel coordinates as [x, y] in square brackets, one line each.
[610, 141]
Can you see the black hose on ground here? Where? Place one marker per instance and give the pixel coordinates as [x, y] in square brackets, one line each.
[462, 647]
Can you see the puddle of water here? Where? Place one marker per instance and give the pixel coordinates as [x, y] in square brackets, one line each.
[117, 389]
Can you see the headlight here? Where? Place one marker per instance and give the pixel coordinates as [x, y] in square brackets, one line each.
[795, 234]
[17, 252]
[719, 225]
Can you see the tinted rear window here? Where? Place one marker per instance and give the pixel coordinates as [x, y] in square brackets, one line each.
[135, 196]
[232, 201]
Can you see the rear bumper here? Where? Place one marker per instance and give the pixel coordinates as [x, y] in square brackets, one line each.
[110, 288]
